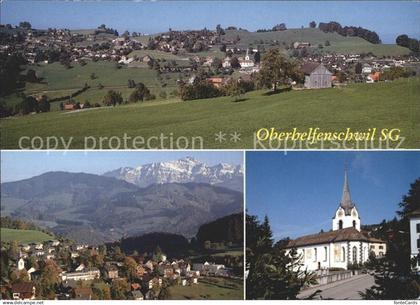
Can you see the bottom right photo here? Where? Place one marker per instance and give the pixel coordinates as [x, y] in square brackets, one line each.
[333, 225]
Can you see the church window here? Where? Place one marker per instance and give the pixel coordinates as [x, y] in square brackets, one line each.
[418, 227]
[418, 243]
[315, 254]
[325, 254]
[354, 223]
[343, 250]
[340, 224]
[381, 247]
[354, 254]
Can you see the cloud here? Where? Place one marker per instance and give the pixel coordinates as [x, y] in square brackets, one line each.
[363, 164]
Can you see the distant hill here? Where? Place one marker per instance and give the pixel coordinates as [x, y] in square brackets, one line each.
[92, 208]
[227, 229]
[338, 43]
[172, 245]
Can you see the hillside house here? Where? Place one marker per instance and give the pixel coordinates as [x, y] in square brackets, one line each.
[218, 82]
[85, 275]
[301, 45]
[316, 76]
[111, 271]
[23, 291]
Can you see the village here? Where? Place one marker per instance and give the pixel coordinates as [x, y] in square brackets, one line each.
[63, 270]
[210, 50]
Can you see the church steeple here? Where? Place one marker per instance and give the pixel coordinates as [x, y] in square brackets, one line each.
[346, 215]
[346, 202]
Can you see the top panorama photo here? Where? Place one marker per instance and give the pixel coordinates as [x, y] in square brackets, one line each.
[195, 75]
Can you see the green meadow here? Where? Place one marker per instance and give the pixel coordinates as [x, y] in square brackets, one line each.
[23, 236]
[209, 289]
[358, 106]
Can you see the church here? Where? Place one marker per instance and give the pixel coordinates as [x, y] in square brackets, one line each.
[346, 244]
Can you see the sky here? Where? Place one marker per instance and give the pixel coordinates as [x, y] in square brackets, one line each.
[301, 191]
[18, 165]
[387, 18]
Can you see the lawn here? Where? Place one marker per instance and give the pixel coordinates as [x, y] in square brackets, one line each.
[209, 289]
[23, 236]
[359, 107]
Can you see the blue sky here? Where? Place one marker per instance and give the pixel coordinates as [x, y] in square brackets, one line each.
[17, 165]
[387, 18]
[300, 191]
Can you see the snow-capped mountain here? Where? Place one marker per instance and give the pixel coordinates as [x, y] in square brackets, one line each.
[182, 171]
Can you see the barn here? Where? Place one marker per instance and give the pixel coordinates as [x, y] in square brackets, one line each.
[316, 76]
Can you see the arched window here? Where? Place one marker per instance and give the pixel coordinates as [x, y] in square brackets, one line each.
[343, 251]
[325, 254]
[354, 255]
[340, 224]
[315, 254]
[354, 223]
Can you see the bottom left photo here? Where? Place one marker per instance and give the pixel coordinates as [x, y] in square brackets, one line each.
[122, 225]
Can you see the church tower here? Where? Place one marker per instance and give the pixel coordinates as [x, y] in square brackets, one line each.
[346, 215]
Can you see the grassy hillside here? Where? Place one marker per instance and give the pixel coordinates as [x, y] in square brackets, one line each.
[342, 44]
[59, 81]
[23, 236]
[360, 106]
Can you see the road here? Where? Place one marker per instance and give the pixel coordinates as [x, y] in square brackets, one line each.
[342, 290]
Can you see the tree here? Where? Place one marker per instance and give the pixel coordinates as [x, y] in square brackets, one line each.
[112, 98]
[223, 48]
[394, 276]
[358, 68]
[44, 104]
[139, 94]
[29, 104]
[130, 267]
[274, 273]
[119, 289]
[257, 57]
[49, 279]
[327, 43]
[25, 25]
[31, 76]
[235, 90]
[312, 24]
[277, 70]
[234, 63]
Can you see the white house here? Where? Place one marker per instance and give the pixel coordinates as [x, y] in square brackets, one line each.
[345, 244]
[21, 264]
[246, 62]
[415, 236]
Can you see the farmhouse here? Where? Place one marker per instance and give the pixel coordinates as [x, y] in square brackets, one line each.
[301, 45]
[344, 245]
[23, 291]
[316, 76]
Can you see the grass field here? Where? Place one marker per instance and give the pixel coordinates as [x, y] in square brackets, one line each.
[210, 289]
[59, 81]
[341, 44]
[359, 107]
[23, 236]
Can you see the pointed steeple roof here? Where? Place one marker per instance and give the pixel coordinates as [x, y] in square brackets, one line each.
[346, 202]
